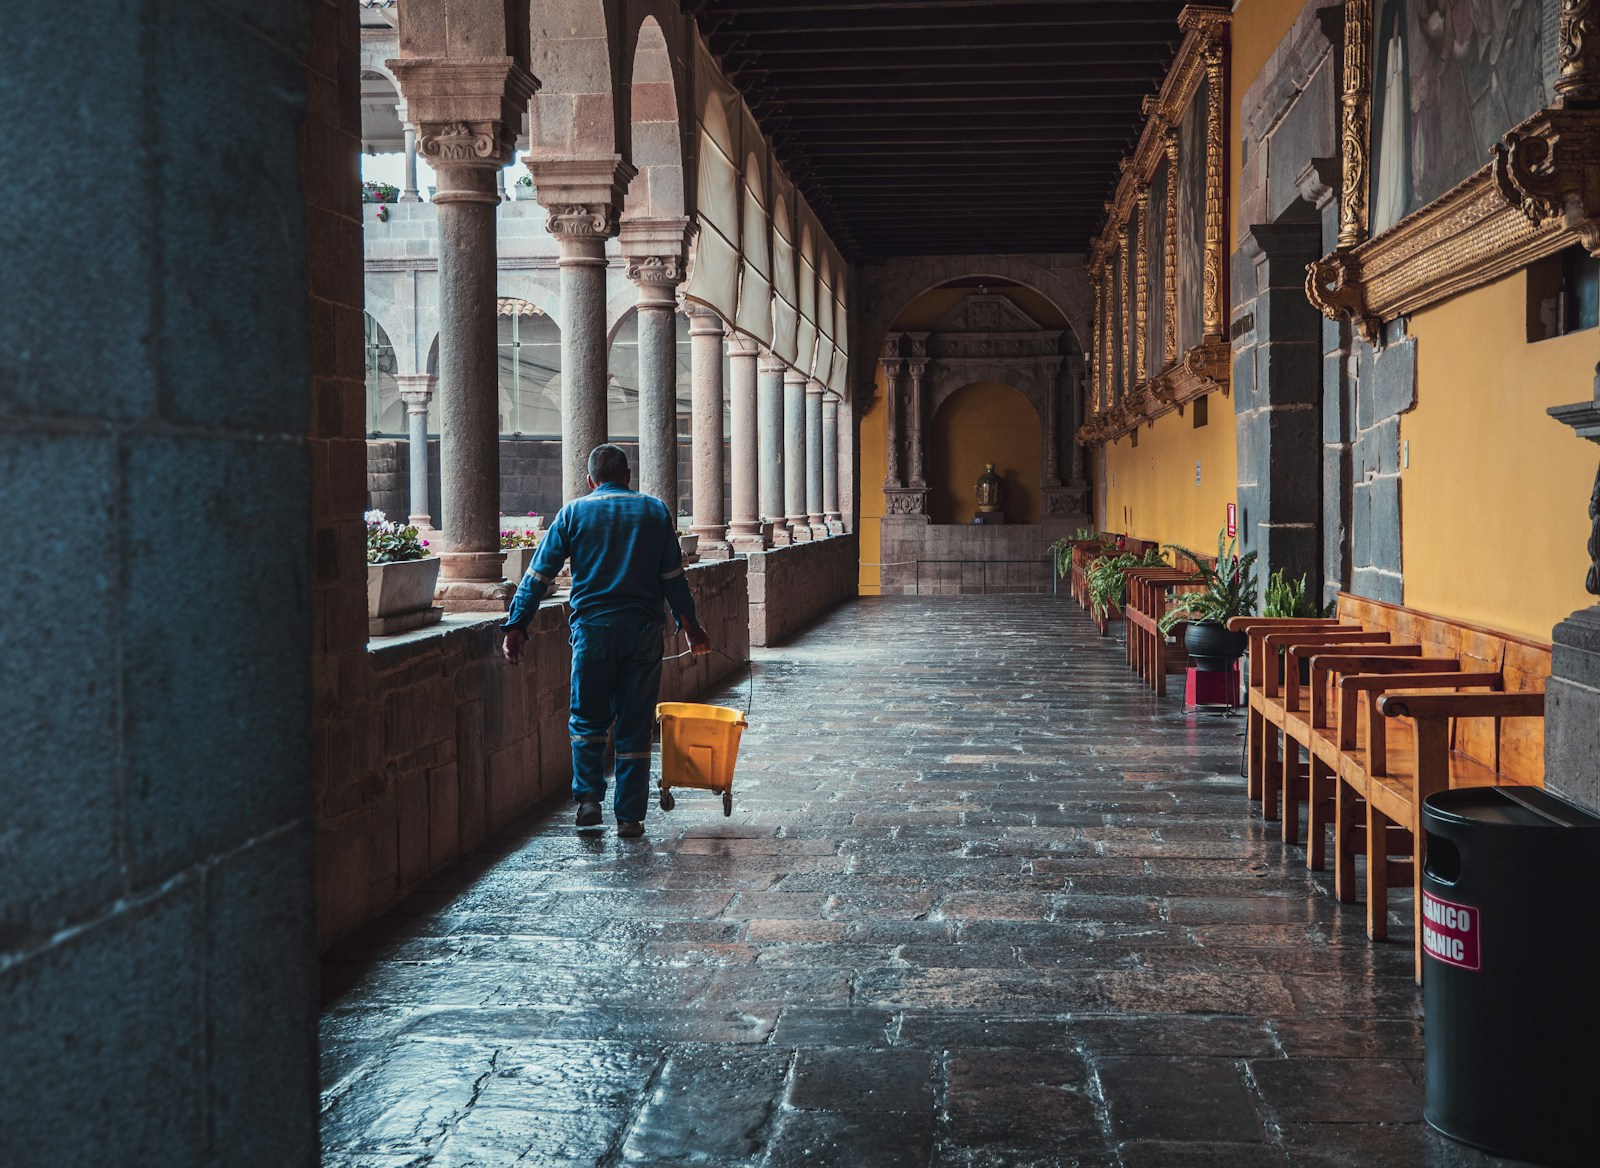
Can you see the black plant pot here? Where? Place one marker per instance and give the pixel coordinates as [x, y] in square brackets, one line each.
[1211, 646]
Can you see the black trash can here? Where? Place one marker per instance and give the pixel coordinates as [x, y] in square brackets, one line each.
[1511, 973]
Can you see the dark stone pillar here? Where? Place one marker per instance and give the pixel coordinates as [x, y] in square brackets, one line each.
[1277, 392]
[1572, 695]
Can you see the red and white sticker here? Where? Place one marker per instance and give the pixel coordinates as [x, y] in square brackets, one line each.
[1450, 932]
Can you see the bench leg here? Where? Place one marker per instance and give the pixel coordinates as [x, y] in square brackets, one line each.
[1377, 873]
[1347, 816]
[1158, 664]
[1319, 797]
[1256, 731]
[1289, 788]
[1271, 774]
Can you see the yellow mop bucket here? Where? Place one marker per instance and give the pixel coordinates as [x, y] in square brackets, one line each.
[698, 747]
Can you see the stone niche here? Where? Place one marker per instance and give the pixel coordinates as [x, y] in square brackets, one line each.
[987, 383]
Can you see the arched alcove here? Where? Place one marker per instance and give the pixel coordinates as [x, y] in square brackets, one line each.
[530, 370]
[386, 413]
[622, 385]
[657, 190]
[979, 423]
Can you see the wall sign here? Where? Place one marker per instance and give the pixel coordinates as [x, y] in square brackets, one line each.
[1233, 520]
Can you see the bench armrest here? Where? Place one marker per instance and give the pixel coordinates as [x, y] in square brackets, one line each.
[1379, 690]
[1271, 675]
[1376, 660]
[1246, 624]
[1420, 707]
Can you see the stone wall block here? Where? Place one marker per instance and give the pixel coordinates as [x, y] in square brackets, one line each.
[1335, 421]
[444, 815]
[238, 610]
[509, 788]
[207, 307]
[1372, 583]
[260, 1009]
[472, 815]
[1242, 279]
[383, 845]
[1384, 540]
[1291, 373]
[1361, 525]
[61, 723]
[1295, 482]
[1377, 451]
[412, 806]
[1243, 382]
[129, 992]
[1285, 315]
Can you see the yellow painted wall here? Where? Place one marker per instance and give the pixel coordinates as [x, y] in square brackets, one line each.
[978, 424]
[874, 465]
[1493, 505]
[1258, 27]
[1150, 491]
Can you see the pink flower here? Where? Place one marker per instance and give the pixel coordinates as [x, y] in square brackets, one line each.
[424, 543]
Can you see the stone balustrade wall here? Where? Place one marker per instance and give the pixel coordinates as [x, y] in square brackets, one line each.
[791, 587]
[451, 744]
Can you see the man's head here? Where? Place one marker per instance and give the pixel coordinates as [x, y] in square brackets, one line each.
[608, 464]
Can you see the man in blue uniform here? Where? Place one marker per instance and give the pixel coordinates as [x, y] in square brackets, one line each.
[625, 562]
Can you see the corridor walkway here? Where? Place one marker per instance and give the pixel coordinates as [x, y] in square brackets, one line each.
[982, 901]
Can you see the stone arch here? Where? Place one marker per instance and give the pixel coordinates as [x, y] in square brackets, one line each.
[580, 109]
[655, 111]
[386, 413]
[984, 420]
[529, 369]
[381, 103]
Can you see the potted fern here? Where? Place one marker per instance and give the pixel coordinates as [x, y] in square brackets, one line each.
[1288, 599]
[1230, 591]
[1108, 587]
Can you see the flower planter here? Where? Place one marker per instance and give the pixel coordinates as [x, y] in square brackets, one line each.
[1211, 646]
[517, 561]
[687, 543]
[400, 596]
[766, 534]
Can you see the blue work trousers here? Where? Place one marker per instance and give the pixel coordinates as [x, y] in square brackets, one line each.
[616, 677]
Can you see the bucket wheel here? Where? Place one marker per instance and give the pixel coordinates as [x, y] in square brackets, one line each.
[727, 803]
[667, 801]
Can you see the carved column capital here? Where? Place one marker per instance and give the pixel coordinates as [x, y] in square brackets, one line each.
[582, 197]
[703, 320]
[416, 390]
[467, 110]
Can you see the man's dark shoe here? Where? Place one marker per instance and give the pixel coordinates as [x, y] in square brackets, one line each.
[629, 830]
[588, 814]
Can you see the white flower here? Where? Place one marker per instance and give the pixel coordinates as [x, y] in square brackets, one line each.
[374, 518]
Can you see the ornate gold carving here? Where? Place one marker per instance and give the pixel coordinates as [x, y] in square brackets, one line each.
[1467, 237]
[1578, 46]
[1141, 288]
[1125, 369]
[1355, 115]
[582, 220]
[1204, 369]
[1216, 194]
[1169, 255]
[1549, 168]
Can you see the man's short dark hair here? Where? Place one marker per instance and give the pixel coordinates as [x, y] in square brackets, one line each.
[608, 464]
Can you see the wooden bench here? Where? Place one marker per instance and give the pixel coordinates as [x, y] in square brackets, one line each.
[1084, 550]
[1369, 770]
[1148, 590]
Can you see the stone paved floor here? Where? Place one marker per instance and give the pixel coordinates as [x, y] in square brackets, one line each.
[982, 901]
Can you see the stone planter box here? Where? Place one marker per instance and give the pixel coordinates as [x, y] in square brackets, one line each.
[400, 596]
[766, 534]
[687, 543]
[517, 561]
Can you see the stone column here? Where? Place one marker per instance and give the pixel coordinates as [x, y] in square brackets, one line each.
[892, 364]
[744, 533]
[582, 197]
[416, 390]
[916, 367]
[814, 512]
[830, 464]
[410, 194]
[794, 456]
[654, 250]
[705, 363]
[769, 420]
[1572, 695]
[467, 113]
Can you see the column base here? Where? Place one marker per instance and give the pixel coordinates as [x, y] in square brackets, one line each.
[715, 550]
[781, 537]
[475, 595]
[748, 545]
[1572, 708]
[799, 530]
[423, 524]
[819, 529]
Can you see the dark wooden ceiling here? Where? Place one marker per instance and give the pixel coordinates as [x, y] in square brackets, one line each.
[923, 127]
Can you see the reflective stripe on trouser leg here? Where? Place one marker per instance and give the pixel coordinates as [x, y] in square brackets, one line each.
[589, 723]
[638, 684]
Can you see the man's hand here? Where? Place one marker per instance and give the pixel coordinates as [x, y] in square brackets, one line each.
[512, 646]
[699, 643]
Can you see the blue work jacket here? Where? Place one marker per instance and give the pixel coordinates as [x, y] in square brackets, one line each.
[625, 560]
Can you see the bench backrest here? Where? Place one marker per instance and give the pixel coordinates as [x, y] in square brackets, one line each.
[1513, 747]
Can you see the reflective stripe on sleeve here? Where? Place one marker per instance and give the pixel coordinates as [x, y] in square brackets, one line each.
[672, 575]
